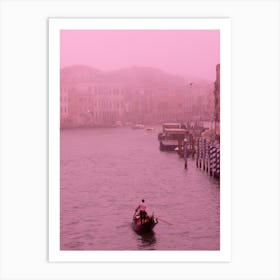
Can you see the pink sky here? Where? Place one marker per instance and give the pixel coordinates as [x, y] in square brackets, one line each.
[192, 53]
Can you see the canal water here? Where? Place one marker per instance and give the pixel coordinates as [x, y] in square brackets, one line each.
[104, 175]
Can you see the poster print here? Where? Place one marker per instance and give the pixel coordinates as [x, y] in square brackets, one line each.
[137, 139]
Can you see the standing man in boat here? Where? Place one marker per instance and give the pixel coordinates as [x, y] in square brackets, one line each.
[142, 209]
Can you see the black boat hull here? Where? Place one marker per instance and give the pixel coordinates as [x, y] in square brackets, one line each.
[146, 226]
[164, 147]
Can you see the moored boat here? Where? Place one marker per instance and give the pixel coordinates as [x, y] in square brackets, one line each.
[172, 138]
[147, 224]
[165, 126]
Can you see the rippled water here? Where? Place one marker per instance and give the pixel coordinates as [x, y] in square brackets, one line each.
[104, 175]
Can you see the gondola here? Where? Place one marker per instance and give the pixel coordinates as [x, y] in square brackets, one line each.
[147, 224]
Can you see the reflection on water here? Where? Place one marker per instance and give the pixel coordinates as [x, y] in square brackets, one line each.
[103, 177]
[146, 240]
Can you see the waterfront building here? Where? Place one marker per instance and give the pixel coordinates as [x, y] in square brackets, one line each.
[64, 108]
[136, 95]
[109, 106]
[168, 103]
[95, 104]
[153, 104]
[199, 101]
[210, 105]
[188, 104]
[217, 102]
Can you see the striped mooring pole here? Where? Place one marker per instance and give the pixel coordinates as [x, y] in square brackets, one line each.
[208, 157]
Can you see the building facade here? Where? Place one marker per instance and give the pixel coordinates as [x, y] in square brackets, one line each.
[86, 100]
[64, 101]
[95, 104]
[217, 102]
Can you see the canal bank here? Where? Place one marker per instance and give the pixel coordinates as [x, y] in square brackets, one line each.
[192, 142]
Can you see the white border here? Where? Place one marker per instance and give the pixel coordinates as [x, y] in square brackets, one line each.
[55, 25]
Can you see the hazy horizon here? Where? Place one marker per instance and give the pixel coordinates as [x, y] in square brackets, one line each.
[190, 77]
[186, 53]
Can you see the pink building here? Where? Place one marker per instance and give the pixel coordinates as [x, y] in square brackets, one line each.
[64, 101]
[217, 101]
[95, 104]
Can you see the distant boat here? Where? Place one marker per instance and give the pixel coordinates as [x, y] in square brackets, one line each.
[138, 126]
[150, 129]
[147, 225]
[118, 124]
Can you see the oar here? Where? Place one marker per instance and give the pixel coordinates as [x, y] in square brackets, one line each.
[176, 226]
[160, 219]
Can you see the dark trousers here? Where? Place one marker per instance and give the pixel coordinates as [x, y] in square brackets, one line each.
[143, 215]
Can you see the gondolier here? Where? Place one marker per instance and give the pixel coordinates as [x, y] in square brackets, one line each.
[142, 222]
[142, 209]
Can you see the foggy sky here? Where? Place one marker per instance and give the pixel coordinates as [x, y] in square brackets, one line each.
[192, 53]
